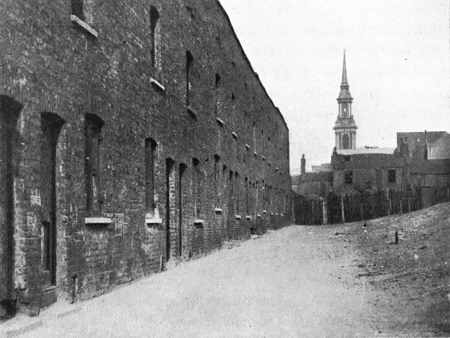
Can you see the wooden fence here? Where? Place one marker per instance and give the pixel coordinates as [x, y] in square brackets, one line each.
[335, 209]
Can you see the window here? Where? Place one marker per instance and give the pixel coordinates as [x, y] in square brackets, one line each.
[150, 154]
[345, 141]
[217, 94]
[83, 9]
[392, 176]
[238, 197]
[247, 209]
[218, 80]
[82, 16]
[189, 64]
[254, 137]
[196, 186]
[348, 177]
[155, 27]
[77, 9]
[216, 177]
[93, 140]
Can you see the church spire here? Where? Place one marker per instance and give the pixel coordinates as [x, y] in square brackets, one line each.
[344, 72]
[345, 126]
[345, 94]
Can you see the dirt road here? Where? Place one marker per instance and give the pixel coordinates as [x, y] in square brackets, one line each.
[296, 282]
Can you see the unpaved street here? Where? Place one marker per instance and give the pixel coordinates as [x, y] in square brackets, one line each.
[296, 282]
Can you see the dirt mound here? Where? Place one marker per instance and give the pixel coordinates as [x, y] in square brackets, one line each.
[413, 276]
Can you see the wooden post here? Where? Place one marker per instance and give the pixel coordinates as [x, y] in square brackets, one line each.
[324, 212]
[342, 209]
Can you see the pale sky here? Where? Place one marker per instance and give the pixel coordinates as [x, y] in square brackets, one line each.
[398, 55]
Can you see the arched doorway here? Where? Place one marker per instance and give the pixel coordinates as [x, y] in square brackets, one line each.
[51, 125]
[9, 115]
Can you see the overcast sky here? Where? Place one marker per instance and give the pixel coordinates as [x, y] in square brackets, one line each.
[397, 59]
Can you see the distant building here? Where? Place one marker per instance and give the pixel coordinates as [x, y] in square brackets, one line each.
[345, 126]
[434, 145]
[420, 160]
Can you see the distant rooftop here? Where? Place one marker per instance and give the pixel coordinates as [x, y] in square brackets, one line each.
[366, 150]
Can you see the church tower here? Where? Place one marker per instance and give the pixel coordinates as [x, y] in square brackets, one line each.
[345, 126]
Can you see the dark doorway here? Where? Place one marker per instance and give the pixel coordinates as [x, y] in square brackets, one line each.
[183, 168]
[9, 114]
[170, 192]
[51, 126]
[231, 204]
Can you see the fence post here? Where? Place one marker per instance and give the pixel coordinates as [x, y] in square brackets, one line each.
[324, 212]
[389, 202]
[342, 209]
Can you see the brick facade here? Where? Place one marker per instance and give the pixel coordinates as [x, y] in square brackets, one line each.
[133, 133]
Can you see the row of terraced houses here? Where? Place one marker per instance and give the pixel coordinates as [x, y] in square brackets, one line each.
[134, 133]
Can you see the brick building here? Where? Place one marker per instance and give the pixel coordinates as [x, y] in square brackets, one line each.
[134, 133]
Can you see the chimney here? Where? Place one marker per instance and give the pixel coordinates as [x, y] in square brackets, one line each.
[425, 154]
[303, 166]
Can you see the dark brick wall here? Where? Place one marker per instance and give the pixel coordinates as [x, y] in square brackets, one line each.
[50, 65]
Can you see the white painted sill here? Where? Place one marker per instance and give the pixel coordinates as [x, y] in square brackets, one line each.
[199, 223]
[84, 25]
[151, 220]
[192, 112]
[157, 85]
[220, 121]
[97, 221]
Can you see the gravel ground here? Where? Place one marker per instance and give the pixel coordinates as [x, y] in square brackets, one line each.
[344, 281]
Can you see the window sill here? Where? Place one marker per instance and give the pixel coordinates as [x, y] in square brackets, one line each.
[199, 223]
[192, 112]
[84, 25]
[218, 211]
[157, 85]
[220, 122]
[103, 221]
[238, 217]
[152, 221]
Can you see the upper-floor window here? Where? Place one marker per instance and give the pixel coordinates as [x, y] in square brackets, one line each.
[392, 176]
[196, 186]
[150, 155]
[155, 31]
[83, 9]
[93, 140]
[189, 64]
[348, 177]
[77, 8]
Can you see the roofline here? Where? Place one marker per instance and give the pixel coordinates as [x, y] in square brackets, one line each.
[249, 63]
